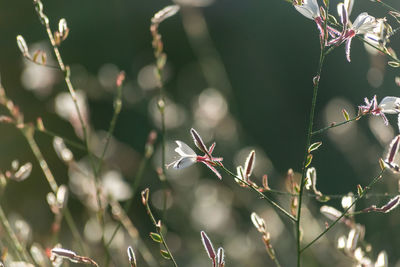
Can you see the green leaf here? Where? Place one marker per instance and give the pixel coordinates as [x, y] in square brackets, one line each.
[309, 159]
[394, 64]
[156, 237]
[382, 164]
[323, 198]
[165, 254]
[359, 190]
[345, 114]
[314, 146]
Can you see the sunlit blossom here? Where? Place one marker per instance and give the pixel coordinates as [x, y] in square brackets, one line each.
[310, 9]
[363, 24]
[189, 157]
[372, 107]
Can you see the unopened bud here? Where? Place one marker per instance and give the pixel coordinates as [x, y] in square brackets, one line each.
[22, 46]
[131, 256]
[145, 196]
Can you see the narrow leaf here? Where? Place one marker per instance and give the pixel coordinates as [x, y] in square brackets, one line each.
[359, 190]
[314, 146]
[394, 64]
[165, 254]
[345, 114]
[309, 159]
[156, 237]
[208, 245]
[382, 164]
[249, 165]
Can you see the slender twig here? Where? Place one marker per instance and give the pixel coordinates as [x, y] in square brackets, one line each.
[41, 64]
[273, 203]
[124, 220]
[136, 181]
[316, 80]
[20, 249]
[117, 110]
[28, 133]
[66, 140]
[66, 71]
[334, 125]
[387, 6]
[356, 199]
[157, 225]
[130, 201]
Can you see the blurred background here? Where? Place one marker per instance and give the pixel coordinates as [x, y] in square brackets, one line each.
[240, 73]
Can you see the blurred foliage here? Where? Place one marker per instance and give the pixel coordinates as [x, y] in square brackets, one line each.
[244, 81]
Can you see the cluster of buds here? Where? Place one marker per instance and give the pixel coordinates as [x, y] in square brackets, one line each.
[259, 223]
[38, 57]
[57, 203]
[353, 247]
[62, 32]
[157, 43]
[189, 157]
[18, 173]
[218, 259]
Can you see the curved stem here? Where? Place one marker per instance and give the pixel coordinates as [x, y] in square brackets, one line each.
[273, 203]
[357, 198]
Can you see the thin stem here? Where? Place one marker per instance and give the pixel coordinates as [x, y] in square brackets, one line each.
[66, 140]
[65, 69]
[40, 64]
[124, 220]
[357, 198]
[14, 240]
[334, 125]
[28, 133]
[135, 184]
[316, 80]
[159, 231]
[117, 110]
[387, 6]
[270, 201]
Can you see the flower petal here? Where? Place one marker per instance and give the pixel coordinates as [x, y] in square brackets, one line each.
[213, 169]
[308, 9]
[184, 162]
[364, 23]
[390, 105]
[348, 44]
[184, 150]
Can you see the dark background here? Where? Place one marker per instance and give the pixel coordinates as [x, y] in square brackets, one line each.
[269, 54]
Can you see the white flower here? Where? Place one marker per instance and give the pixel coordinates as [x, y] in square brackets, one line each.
[364, 23]
[390, 105]
[188, 156]
[309, 9]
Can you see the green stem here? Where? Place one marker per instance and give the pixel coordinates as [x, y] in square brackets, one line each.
[159, 231]
[66, 71]
[20, 249]
[135, 185]
[262, 195]
[357, 198]
[334, 125]
[28, 133]
[387, 6]
[316, 80]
